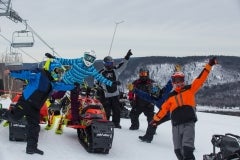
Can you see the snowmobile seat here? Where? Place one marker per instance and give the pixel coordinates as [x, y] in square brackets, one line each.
[91, 107]
[92, 112]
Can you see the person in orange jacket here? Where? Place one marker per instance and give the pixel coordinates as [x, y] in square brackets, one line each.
[182, 106]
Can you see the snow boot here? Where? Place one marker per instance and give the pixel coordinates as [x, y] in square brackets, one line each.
[148, 137]
[133, 127]
[32, 151]
[117, 126]
[145, 139]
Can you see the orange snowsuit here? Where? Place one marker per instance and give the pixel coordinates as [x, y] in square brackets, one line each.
[182, 104]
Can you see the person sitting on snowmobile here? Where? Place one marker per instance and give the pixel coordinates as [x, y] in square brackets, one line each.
[80, 69]
[41, 82]
[182, 107]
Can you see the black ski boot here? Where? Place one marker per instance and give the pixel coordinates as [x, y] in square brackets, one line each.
[133, 127]
[145, 138]
[32, 151]
[148, 137]
[117, 126]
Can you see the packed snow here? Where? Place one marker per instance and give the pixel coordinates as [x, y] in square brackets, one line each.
[126, 145]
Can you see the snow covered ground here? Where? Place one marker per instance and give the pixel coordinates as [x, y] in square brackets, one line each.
[126, 145]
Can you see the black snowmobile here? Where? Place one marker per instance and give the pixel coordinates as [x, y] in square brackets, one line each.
[229, 145]
[95, 132]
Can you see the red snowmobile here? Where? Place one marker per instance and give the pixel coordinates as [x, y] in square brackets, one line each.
[94, 131]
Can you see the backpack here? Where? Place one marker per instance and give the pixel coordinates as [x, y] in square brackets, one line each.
[229, 145]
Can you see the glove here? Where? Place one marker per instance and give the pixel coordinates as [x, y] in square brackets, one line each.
[153, 123]
[213, 61]
[177, 68]
[129, 53]
[130, 86]
[49, 55]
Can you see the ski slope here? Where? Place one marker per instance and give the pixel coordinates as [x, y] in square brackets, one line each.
[126, 145]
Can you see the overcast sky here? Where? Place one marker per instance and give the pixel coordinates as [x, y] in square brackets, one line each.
[150, 28]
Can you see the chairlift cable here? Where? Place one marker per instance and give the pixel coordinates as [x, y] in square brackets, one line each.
[35, 33]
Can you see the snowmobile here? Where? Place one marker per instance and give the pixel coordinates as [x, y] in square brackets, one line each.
[229, 145]
[94, 131]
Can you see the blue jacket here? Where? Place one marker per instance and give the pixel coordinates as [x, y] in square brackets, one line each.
[39, 85]
[79, 72]
[157, 101]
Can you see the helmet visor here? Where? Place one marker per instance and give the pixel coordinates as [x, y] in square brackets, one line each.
[107, 64]
[143, 74]
[89, 58]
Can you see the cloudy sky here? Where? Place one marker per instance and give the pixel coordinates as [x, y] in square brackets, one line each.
[151, 27]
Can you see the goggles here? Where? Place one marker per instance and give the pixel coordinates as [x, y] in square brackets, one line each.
[108, 64]
[178, 79]
[143, 74]
[59, 70]
[89, 58]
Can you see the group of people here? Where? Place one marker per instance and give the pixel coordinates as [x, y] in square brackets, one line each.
[176, 101]
[53, 81]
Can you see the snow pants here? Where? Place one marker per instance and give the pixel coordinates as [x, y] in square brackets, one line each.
[183, 140]
[138, 109]
[75, 104]
[33, 118]
[151, 130]
[112, 104]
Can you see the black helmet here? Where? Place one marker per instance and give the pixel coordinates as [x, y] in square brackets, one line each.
[108, 62]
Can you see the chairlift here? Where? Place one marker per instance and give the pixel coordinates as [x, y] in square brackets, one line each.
[23, 38]
[13, 59]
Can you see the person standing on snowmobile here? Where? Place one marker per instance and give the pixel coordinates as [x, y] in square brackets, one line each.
[111, 93]
[182, 106]
[41, 82]
[139, 105]
[80, 69]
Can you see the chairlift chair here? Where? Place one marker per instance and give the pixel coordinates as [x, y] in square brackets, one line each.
[13, 59]
[23, 38]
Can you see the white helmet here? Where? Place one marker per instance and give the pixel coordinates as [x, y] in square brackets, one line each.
[89, 57]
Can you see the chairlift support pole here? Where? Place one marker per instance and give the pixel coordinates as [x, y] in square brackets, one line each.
[116, 24]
